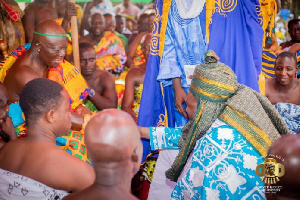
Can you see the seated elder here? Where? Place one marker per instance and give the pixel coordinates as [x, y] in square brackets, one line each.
[114, 146]
[36, 158]
[284, 90]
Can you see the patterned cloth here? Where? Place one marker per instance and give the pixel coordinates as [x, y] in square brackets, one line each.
[268, 63]
[74, 144]
[122, 38]
[219, 95]
[110, 53]
[14, 186]
[222, 167]
[72, 80]
[137, 99]
[164, 138]
[139, 56]
[290, 114]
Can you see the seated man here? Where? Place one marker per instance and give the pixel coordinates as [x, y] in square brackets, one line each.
[103, 93]
[294, 31]
[114, 145]
[44, 59]
[46, 108]
[284, 90]
[110, 50]
[110, 25]
[286, 151]
[134, 82]
[7, 130]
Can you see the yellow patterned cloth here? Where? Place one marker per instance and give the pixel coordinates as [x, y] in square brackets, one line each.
[139, 56]
[69, 77]
[110, 53]
[137, 99]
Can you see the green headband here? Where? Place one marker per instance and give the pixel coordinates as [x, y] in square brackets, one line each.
[49, 35]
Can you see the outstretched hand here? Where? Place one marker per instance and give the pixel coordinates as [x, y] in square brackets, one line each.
[144, 132]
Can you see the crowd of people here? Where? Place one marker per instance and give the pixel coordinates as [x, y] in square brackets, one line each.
[75, 133]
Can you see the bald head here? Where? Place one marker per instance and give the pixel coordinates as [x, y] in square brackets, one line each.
[97, 25]
[51, 43]
[48, 27]
[288, 148]
[112, 136]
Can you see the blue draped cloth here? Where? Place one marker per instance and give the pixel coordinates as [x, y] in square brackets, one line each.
[184, 45]
[222, 166]
[290, 114]
[236, 36]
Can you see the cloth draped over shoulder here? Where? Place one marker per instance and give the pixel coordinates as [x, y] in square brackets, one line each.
[16, 186]
[220, 96]
[110, 53]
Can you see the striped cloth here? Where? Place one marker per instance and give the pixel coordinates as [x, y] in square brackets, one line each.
[220, 96]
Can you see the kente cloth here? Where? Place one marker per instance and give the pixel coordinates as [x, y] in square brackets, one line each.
[7, 63]
[219, 95]
[138, 58]
[15, 186]
[90, 105]
[164, 138]
[74, 144]
[268, 63]
[290, 114]
[137, 99]
[236, 25]
[122, 38]
[222, 166]
[71, 79]
[120, 86]
[110, 53]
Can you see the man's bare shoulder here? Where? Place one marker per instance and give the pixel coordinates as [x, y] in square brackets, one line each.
[104, 76]
[297, 81]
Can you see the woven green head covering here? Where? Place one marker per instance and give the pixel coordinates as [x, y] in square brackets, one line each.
[220, 96]
[213, 81]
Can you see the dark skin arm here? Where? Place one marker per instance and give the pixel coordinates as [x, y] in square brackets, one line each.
[128, 97]
[71, 10]
[28, 23]
[180, 96]
[86, 15]
[108, 98]
[132, 49]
